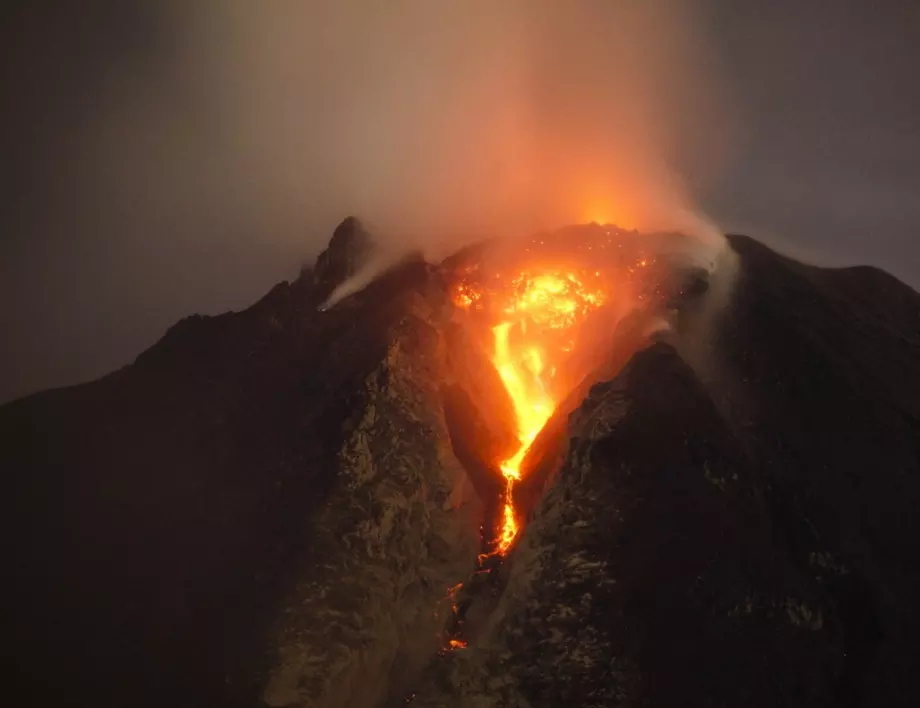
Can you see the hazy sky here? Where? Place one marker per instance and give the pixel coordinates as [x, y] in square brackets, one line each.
[166, 158]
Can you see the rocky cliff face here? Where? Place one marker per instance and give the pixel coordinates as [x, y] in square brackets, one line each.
[399, 527]
[268, 507]
[264, 507]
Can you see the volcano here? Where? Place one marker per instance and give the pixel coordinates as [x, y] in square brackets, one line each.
[591, 468]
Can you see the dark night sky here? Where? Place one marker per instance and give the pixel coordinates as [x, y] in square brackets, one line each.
[98, 257]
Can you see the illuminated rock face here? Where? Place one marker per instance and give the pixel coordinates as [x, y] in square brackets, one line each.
[399, 527]
[264, 507]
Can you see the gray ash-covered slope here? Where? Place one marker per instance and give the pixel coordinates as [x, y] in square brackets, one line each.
[264, 509]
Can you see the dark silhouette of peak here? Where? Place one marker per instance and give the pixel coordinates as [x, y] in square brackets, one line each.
[269, 506]
[349, 249]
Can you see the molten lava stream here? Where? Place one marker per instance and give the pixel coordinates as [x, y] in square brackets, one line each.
[538, 315]
[532, 407]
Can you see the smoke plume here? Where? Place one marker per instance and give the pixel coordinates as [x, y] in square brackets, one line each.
[193, 153]
[439, 122]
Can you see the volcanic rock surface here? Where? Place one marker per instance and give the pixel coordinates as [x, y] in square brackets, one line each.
[268, 507]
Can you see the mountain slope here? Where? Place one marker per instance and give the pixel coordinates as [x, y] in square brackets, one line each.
[264, 508]
[822, 370]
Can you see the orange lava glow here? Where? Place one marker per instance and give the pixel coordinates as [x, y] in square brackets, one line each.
[452, 596]
[537, 313]
[598, 208]
[456, 644]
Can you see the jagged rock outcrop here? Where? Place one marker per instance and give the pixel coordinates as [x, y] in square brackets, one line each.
[349, 249]
[400, 526]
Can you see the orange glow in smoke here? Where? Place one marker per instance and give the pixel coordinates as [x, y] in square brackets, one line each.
[598, 208]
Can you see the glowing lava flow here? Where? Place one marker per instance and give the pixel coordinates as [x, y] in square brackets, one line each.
[532, 407]
[534, 318]
[543, 309]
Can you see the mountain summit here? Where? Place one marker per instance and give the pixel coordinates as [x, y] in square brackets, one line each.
[582, 471]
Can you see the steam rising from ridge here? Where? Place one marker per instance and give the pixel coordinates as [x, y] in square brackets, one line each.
[441, 122]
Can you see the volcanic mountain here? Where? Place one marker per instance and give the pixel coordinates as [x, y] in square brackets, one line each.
[588, 469]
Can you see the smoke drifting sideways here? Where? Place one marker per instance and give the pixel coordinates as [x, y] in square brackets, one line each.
[442, 122]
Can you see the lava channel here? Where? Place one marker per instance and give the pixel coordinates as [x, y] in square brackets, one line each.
[535, 319]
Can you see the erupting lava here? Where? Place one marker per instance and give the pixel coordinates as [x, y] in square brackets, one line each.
[535, 317]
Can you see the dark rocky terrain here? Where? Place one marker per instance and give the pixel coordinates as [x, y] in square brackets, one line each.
[268, 507]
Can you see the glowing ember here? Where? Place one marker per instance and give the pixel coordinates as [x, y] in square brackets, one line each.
[465, 295]
[456, 644]
[452, 596]
[555, 300]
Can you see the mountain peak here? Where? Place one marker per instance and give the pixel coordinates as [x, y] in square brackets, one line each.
[349, 249]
